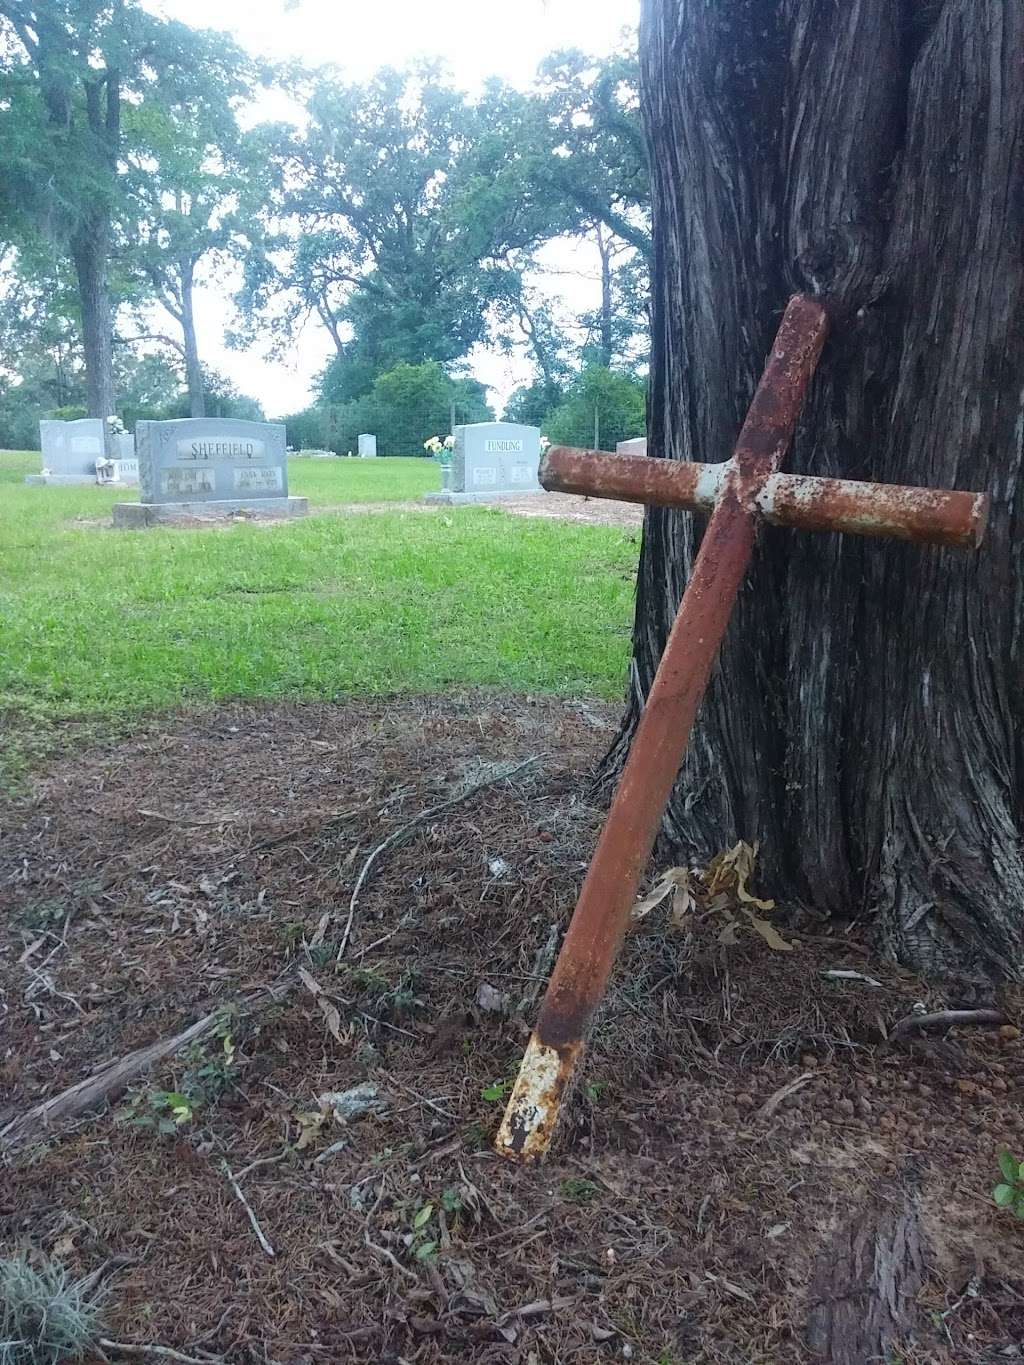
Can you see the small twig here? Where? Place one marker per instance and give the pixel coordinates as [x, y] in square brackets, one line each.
[773, 1101]
[389, 1256]
[130, 1348]
[248, 1208]
[542, 964]
[913, 1023]
[262, 1161]
[420, 1099]
[191, 820]
[399, 836]
[842, 974]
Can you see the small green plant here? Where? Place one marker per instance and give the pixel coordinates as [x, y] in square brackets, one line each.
[595, 1091]
[46, 1318]
[452, 1201]
[1009, 1194]
[497, 1091]
[422, 1243]
[475, 1136]
[207, 1075]
[578, 1190]
[163, 1110]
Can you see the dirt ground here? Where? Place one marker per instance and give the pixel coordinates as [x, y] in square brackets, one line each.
[550, 506]
[751, 1169]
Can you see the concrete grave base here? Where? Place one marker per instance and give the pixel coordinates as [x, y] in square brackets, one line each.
[135, 514]
[450, 498]
[58, 479]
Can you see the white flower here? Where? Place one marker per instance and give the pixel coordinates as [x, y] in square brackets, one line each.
[544, 443]
[449, 443]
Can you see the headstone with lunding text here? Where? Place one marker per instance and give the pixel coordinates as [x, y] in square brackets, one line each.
[207, 468]
[492, 460]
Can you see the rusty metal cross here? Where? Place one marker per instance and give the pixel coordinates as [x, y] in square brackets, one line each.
[739, 493]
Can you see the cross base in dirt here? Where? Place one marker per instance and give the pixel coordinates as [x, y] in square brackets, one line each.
[740, 493]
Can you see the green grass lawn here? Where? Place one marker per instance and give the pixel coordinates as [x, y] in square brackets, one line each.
[101, 625]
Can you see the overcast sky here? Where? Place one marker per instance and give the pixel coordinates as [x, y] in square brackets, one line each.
[475, 39]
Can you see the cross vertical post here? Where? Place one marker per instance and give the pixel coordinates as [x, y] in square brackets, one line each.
[743, 491]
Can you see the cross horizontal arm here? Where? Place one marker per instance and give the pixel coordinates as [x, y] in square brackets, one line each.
[932, 516]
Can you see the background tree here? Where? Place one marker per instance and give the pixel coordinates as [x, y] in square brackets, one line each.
[401, 202]
[194, 178]
[866, 721]
[602, 408]
[405, 405]
[61, 137]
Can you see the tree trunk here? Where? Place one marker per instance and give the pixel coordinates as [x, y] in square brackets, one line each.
[193, 369]
[865, 720]
[605, 250]
[89, 251]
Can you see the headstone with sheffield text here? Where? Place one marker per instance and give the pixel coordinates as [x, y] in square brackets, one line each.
[492, 460]
[209, 468]
[70, 451]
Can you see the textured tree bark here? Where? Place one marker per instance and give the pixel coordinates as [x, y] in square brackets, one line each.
[865, 1284]
[90, 248]
[193, 369]
[865, 721]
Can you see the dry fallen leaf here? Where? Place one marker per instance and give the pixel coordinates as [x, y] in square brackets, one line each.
[732, 869]
[674, 882]
[769, 933]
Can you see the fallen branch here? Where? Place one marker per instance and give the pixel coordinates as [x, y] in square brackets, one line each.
[541, 969]
[783, 1093]
[113, 1078]
[129, 1348]
[400, 835]
[914, 1023]
[260, 1237]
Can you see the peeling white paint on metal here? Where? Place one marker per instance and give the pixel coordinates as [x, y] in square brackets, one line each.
[533, 1106]
[709, 483]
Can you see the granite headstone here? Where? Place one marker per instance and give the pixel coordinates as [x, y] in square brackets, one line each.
[70, 451]
[208, 468]
[367, 446]
[637, 445]
[492, 459]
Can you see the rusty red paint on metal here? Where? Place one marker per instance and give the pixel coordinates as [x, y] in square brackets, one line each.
[743, 491]
[932, 516]
[629, 478]
[592, 941]
[800, 501]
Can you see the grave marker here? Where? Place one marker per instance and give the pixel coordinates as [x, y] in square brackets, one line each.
[740, 493]
[70, 451]
[636, 445]
[367, 446]
[492, 459]
[209, 468]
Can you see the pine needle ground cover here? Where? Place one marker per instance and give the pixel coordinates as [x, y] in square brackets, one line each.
[99, 626]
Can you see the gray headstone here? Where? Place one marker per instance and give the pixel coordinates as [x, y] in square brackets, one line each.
[367, 446]
[209, 467]
[636, 446]
[124, 447]
[492, 459]
[198, 460]
[70, 450]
